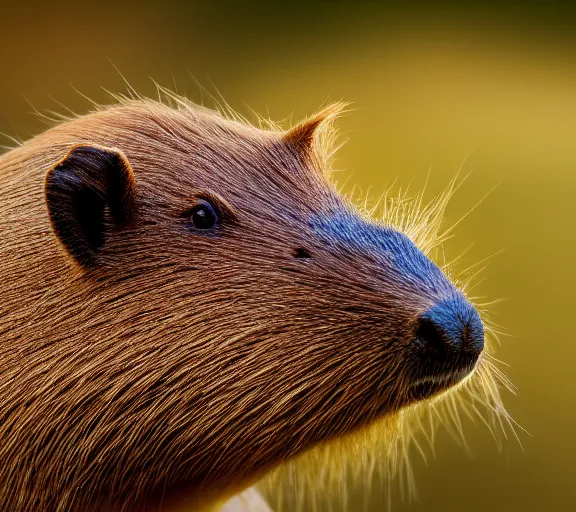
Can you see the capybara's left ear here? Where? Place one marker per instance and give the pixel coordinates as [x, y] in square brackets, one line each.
[79, 189]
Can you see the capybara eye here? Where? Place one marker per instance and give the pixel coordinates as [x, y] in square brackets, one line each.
[203, 216]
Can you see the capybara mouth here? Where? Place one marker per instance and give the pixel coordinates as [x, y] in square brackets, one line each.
[426, 387]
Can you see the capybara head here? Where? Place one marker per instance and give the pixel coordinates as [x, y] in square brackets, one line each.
[204, 307]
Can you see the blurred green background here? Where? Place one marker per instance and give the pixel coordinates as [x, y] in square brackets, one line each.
[431, 83]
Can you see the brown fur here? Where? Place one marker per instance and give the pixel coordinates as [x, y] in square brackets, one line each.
[172, 361]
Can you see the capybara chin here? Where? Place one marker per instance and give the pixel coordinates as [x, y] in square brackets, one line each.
[187, 302]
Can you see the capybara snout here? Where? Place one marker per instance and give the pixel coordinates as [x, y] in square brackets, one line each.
[450, 334]
[442, 334]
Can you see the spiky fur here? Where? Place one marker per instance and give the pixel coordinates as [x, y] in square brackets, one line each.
[382, 451]
[64, 390]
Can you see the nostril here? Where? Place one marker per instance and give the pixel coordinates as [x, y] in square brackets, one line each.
[452, 328]
[448, 340]
[430, 337]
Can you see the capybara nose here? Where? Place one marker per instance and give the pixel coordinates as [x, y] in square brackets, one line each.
[450, 335]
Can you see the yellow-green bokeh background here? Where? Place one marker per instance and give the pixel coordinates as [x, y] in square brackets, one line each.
[431, 83]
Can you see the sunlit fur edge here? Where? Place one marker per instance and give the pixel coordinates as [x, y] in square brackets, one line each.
[381, 452]
[325, 135]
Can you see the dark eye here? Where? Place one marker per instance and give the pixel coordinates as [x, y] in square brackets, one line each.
[203, 216]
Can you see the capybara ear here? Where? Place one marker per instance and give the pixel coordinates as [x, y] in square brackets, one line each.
[302, 136]
[79, 190]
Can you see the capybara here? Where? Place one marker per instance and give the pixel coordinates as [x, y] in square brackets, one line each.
[187, 303]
